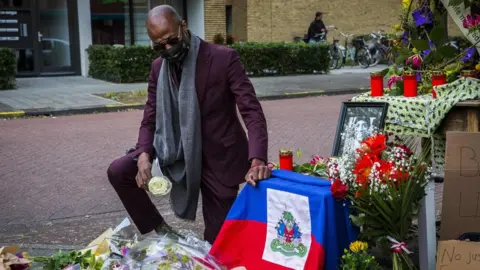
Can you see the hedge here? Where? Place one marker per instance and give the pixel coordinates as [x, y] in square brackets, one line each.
[8, 68]
[132, 64]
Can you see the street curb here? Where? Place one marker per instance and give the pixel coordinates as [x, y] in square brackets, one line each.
[312, 94]
[139, 106]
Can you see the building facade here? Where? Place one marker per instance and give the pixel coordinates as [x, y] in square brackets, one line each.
[50, 36]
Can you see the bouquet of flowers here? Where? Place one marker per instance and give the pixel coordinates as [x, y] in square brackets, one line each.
[384, 181]
[169, 253]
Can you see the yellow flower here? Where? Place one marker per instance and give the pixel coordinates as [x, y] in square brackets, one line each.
[477, 67]
[414, 50]
[405, 4]
[397, 27]
[358, 246]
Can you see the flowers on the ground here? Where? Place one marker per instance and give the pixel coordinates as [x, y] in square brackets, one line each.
[358, 246]
[159, 185]
[471, 22]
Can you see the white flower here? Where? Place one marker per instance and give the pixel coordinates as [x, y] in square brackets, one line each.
[159, 186]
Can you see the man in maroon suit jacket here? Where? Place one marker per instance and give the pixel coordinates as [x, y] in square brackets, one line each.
[228, 157]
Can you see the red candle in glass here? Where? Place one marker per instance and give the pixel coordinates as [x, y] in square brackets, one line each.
[438, 78]
[376, 84]
[468, 73]
[409, 84]
[286, 159]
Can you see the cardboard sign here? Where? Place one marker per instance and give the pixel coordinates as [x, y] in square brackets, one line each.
[456, 255]
[461, 190]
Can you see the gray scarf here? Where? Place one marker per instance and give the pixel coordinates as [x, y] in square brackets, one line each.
[178, 137]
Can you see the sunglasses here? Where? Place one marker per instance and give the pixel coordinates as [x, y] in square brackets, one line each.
[173, 40]
[162, 46]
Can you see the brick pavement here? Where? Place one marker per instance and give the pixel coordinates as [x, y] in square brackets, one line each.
[53, 170]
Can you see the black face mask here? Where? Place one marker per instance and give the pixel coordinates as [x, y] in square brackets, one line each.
[177, 52]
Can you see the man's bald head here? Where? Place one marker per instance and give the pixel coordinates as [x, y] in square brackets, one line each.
[163, 11]
[163, 22]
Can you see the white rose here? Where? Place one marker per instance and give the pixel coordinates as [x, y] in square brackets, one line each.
[159, 186]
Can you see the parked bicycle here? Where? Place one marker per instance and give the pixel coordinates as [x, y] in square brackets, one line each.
[358, 52]
[380, 47]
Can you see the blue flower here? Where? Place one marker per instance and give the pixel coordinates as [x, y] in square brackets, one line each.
[468, 56]
[405, 38]
[422, 16]
[426, 52]
[419, 77]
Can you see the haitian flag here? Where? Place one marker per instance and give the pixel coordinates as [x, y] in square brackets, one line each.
[289, 221]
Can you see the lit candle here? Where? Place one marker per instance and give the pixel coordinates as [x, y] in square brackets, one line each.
[468, 73]
[438, 78]
[376, 84]
[286, 159]
[409, 84]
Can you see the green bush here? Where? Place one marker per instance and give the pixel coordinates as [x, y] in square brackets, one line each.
[8, 68]
[282, 58]
[120, 64]
[132, 64]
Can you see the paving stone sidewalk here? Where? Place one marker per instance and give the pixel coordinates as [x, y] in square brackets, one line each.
[54, 191]
[60, 93]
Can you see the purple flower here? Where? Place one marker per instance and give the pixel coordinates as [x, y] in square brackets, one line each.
[422, 16]
[405, 38]
[419, 77]
[468, 56]
[124, 251]
[393, 80]
[426, 52]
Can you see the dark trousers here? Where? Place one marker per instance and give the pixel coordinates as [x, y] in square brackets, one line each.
[145, 215]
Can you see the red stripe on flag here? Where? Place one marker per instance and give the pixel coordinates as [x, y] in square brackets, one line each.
[241, 243]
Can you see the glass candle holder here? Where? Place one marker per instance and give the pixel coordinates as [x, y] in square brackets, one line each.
[468, 73]
[286, 159]
[438, 78]
[376, 84]
[410, 88]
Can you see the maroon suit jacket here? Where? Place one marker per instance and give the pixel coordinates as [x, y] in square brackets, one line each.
[221, 84]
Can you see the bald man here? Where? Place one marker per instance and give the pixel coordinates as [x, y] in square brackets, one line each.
[190, 126]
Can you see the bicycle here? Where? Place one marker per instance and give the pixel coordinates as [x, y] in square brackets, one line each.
[380, 48]
[359, 52]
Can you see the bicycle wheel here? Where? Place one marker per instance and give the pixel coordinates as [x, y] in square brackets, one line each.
[363, 57]
[376, 58]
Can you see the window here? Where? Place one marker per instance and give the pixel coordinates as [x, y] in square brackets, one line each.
[228, 13]
[119, 22]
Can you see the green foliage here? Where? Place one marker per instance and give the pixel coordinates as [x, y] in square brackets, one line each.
[360, 260]
[132, 64]
[219, 39]
[60, 260]
[8, 69]
[282, 58]
[120, 64]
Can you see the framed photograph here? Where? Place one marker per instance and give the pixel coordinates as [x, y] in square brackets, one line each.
[357, 121]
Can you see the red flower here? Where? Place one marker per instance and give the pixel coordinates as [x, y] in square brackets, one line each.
[375, 144]
[362, 169]
[339, 190]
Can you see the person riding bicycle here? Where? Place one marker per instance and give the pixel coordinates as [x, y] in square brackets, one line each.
[317, 32]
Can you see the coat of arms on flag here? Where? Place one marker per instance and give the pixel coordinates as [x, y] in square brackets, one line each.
[288, 229]
[289, 241]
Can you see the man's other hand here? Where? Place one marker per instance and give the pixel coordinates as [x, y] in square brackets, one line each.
[144, 170]
[257, 172]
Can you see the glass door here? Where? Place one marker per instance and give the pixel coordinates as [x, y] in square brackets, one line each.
[55, 24]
